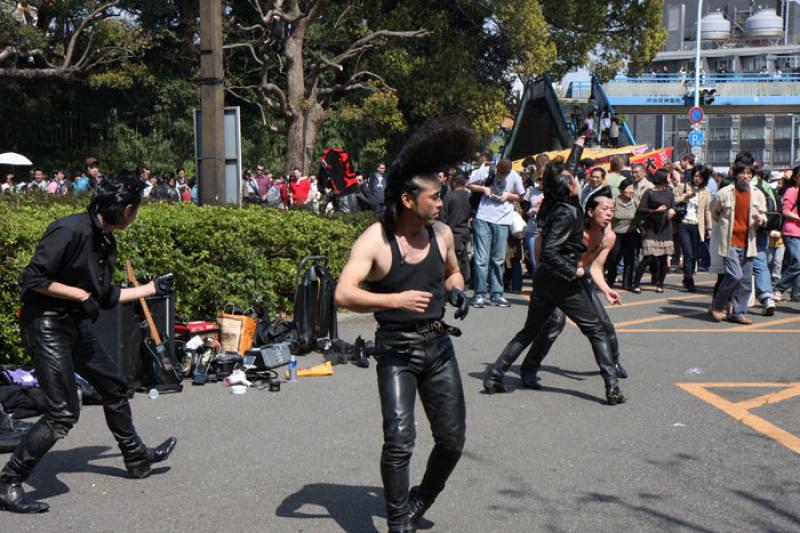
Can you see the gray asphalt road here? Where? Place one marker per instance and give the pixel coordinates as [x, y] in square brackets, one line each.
[306, 459]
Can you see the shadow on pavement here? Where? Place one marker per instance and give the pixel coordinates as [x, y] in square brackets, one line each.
[351, 506]
[667, 521]
[45, 480]
[571, 374]
[517, 384]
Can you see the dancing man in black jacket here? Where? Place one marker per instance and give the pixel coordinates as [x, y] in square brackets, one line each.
[560, 281]
[66, 283]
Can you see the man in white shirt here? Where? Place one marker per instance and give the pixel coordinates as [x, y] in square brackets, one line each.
[490, 227]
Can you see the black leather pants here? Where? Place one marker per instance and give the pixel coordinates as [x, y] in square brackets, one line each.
[407, 363]
[60, 346]
[555, 325]
[578, 301]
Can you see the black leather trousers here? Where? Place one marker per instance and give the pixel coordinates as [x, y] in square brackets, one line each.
[60, 346]
[575, 299]
[555, 325]
[407, 363]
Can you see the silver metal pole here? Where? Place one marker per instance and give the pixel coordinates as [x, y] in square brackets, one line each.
[697, 56]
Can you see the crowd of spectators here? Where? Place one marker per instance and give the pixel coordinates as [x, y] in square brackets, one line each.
[681, 218]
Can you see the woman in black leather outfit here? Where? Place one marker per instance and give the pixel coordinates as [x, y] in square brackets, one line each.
[408, 262]
[559, 282]
[64, 286]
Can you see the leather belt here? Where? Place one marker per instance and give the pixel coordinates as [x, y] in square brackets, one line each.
[433, 326]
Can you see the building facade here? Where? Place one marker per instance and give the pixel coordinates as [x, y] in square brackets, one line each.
[749, 50]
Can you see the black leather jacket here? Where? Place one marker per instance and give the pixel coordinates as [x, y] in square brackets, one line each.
[562, 240]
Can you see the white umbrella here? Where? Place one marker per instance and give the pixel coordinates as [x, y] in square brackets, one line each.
[10, 158]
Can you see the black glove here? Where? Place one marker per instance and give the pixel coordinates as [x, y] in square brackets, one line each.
[457, 298]
[164, 284]
[90, 309]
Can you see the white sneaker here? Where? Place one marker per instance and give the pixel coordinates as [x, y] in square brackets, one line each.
[768, 307]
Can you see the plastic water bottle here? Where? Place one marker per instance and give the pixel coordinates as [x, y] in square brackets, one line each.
[292, 368]
[152, 394]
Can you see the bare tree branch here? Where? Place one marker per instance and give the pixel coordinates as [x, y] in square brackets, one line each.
[354, 84]
[82, 61]
[82, 26]
[365, 43]
[7, 52]
[249, 46]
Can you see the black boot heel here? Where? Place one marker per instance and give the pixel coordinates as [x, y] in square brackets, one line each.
[614, 396]
[491, 386]
[530, 381]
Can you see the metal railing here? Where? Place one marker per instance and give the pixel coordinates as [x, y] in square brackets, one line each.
[677, 85]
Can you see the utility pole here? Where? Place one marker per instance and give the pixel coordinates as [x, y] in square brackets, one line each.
[697, 55]
[212, 94]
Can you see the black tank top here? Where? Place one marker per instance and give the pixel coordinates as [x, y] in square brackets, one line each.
[427, 275]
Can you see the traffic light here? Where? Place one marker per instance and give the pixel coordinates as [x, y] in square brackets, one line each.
[707, 96]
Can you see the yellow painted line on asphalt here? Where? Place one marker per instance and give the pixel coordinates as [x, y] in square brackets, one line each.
[704, 330]
[771, 398]
[740, 410]
[657, 301]
[767, 324]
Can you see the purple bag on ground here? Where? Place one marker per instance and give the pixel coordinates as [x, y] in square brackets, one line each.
[19, 376]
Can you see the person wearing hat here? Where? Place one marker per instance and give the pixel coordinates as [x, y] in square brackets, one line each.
[408, 264]
[90, 176]
[66, 283]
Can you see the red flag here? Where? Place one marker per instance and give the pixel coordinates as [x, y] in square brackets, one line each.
[654, 160]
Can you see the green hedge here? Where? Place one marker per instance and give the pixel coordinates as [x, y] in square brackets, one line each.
[219, 255]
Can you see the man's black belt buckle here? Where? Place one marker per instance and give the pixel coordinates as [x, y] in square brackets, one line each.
[438, 326]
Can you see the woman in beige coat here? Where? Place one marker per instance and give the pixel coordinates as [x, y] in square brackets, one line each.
[695, 226]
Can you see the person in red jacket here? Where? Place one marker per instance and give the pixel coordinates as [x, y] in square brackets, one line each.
[299, 187]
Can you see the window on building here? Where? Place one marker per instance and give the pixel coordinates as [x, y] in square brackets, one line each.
[720, 157]
[762, 155]
[782, 132]
[720, 65]
[781, 157]
[720, 134]
[754, 64]
[753, 132]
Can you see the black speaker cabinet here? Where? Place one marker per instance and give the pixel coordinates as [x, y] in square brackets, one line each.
[120, 332]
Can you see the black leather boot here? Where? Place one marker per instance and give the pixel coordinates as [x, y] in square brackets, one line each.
[405, 528]
[530, 380]
[416, 506]
[494, 377]
[14, 499]
[613, 394]
[621, 372]
[139, 459]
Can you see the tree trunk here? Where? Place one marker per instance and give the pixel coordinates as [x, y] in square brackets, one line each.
[296, 101]
[295, 142]
[314, 120]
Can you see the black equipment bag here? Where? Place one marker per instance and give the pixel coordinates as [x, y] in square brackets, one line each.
[314, 307]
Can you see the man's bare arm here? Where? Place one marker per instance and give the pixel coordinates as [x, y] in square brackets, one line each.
[349, 293]
[452, 274]
[596, 270]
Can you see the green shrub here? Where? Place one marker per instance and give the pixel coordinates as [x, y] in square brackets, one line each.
[219, 255]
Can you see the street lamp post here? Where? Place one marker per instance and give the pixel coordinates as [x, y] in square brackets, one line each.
[697, 55]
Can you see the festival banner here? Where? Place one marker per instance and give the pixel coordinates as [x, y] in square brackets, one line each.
[654, 160]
